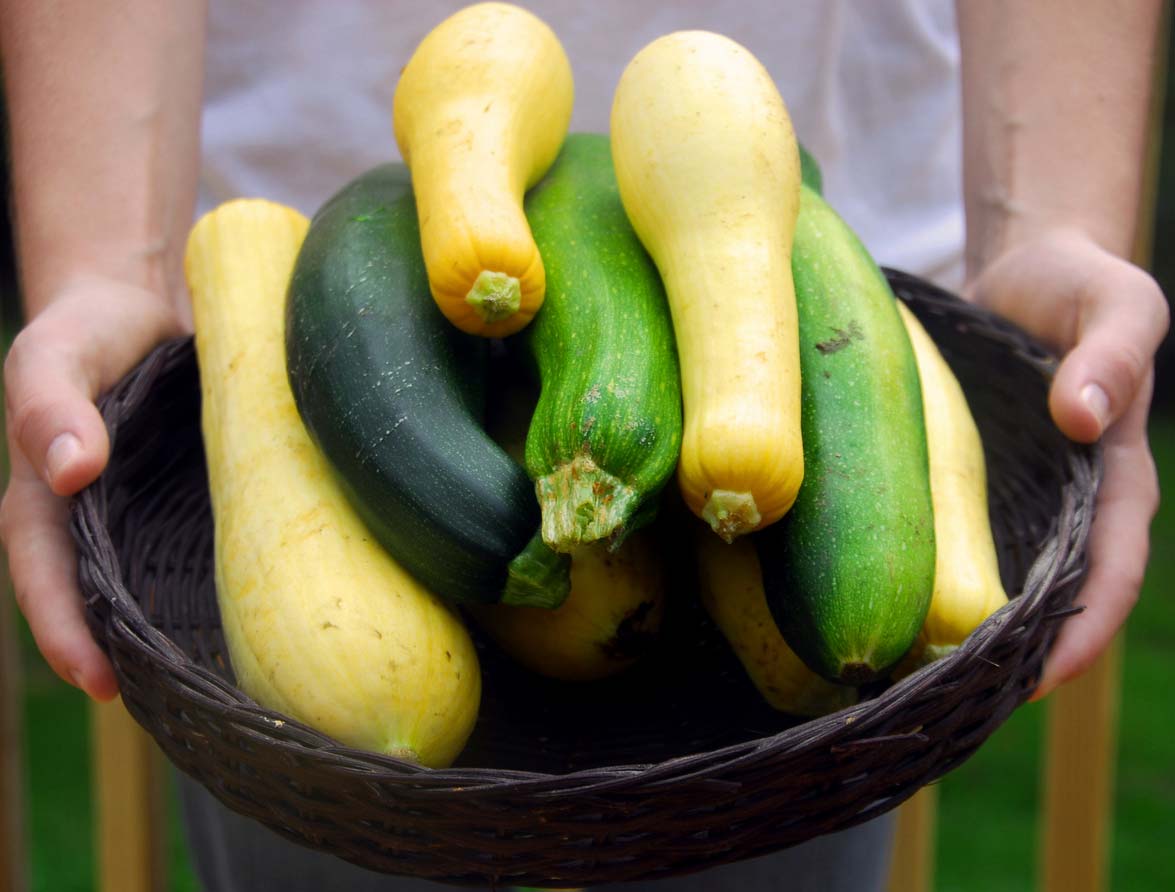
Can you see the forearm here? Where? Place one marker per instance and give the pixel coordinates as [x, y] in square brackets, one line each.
[104, 108]
[1055, 105]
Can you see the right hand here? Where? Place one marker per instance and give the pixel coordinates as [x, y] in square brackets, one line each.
[1107, 318]
[89, 335]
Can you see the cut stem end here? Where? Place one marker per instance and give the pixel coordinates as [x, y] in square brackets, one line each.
[731, 514]
[583, 503]
[857, 673]
[495, 296]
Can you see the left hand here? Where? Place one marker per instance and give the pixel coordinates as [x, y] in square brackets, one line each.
[92, 331]
[1106, 317]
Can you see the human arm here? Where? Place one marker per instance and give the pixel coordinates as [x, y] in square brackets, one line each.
[1055, 107]
[103, 103]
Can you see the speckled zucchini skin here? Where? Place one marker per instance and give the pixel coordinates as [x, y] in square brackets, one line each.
[606, 432]
[850, 570]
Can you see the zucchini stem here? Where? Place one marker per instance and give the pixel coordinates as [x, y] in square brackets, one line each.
[731, 514]
[537, 577]
[495, 296]
[583, 503]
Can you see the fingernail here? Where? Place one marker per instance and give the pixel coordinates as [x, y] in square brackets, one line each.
[1098, 403]
[76, 678]
[62, 451]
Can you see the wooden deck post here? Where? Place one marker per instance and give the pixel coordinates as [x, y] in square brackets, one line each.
[128, 803]
[912, 867]
[1081, 742]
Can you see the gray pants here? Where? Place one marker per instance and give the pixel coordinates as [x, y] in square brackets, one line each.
[231, 853]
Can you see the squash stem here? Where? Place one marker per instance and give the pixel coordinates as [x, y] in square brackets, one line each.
[495, 296]
[583, 503]
[537, 577]
[731, 514]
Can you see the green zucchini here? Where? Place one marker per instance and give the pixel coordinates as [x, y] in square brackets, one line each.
[606, 432]
[390, 392]
[810, 173]
[849, 570]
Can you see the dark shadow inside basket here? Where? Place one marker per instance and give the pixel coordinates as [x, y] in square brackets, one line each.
[691, 696]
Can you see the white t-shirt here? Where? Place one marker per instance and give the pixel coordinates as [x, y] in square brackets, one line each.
[298, 97]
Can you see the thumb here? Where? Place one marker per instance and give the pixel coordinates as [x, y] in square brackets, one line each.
[1124, 318]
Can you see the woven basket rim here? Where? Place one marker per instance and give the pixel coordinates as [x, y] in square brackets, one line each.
[462, 779]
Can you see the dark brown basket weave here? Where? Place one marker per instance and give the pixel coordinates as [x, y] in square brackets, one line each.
[672, 768]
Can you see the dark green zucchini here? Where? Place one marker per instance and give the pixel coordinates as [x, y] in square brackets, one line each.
[849, 570]
[390, 392]
[606, 432]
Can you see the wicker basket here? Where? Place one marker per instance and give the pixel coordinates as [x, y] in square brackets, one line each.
[674, 767]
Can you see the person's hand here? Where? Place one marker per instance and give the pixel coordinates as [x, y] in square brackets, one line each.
[92, 332]
[1106, 317]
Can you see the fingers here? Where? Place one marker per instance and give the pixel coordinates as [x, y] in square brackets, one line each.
[1122, 321]
[33, 523]
[1118, 549]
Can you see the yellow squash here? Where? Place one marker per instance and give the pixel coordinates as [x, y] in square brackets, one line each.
[480, 113]
[609, 621]
[967, 587]
[321, 624]
[709, 173]
[731, 586]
